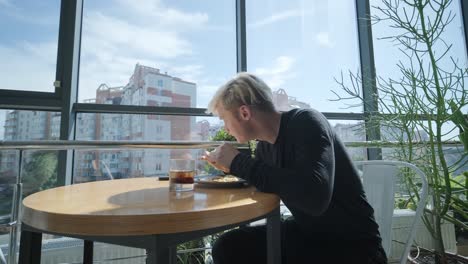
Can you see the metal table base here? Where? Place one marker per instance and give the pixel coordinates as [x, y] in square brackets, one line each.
[160, 248]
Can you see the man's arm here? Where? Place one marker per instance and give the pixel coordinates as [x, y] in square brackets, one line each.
[307, 181]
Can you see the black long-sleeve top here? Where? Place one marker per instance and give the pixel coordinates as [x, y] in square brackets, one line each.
[309, 169]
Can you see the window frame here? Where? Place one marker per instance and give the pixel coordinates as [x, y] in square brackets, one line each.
[64, 98]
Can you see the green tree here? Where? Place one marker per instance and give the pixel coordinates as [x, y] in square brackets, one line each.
[40, 172]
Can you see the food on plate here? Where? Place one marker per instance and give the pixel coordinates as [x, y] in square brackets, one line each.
[227, 178]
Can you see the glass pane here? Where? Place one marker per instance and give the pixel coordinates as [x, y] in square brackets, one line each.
[448, 47]
[300, 47]
[6, 196]
[29, 125]
[351, 131]
[39, 168]
[109, 164]
[20, 125]
[156, 53]
[28, 44]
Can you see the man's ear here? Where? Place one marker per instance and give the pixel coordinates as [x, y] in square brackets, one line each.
[245, 112]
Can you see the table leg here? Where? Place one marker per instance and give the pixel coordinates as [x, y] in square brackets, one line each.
[88, 252]
[30, 247]
[160, 253]
[274, 238]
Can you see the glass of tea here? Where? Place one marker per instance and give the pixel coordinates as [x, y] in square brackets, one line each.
[181, 175]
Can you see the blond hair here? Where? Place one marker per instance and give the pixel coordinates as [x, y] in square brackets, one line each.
[244, 89]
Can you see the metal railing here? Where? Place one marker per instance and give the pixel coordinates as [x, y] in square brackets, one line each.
[92, 145]
[81, 145]
[87, 145]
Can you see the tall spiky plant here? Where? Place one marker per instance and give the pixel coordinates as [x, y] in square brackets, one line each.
[423, 100]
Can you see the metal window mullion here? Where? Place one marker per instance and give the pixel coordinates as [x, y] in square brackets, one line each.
[137, 109]
[178, 111]
[241, 36]
[15, 211]
[68, 57]
[366, 53]
[26, 100]
[464, 14]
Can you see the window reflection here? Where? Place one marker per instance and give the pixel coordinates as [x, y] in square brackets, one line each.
[157, 53]
[299, 47]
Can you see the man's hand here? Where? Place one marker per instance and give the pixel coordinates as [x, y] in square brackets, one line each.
[221, 158]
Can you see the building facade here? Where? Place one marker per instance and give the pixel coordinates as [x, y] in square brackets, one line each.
[146, 87]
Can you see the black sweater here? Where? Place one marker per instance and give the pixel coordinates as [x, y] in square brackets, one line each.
[309, 169]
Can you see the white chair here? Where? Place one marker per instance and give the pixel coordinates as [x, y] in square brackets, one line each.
[2, 257]
[379, 180]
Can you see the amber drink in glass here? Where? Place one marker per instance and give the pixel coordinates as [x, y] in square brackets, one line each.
[181, 175]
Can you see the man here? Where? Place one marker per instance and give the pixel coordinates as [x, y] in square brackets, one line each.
[299, 158]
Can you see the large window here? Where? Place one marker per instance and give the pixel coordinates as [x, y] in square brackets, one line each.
[299, 47]
[391, 56]
[166, 53]
[127, 163]
[38, 167]
[388, 54]
[20, 125]
[28, 44]
[156, 53]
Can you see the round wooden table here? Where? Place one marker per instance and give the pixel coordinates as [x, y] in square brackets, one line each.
[128, 209]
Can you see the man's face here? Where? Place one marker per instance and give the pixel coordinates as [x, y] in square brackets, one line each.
[234, 124]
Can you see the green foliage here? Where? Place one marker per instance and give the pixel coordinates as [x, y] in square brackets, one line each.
[40, 172]
[191, 257]
[223, 135]
[426, 98]
[253, 147]
[461, 121]
[402, 203]
[457, 116]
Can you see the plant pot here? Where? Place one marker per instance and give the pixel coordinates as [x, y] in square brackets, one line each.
[425, 256]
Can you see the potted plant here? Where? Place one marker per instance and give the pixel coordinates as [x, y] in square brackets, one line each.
[416, 109]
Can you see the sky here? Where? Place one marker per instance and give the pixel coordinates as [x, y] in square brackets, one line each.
[296, 45]
[300, 46]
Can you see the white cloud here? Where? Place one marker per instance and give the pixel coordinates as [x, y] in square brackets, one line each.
[27, 15]
[142, 6]
[28, 67]
[145, 32]
[154, 12]
[277, 17]
[113, 42]
[112, 46]
[116, 72]
[46, 52]
[5, 3]
[191, 73]
[323, 39]
[110, 34]
[277, 75]
[182, 21]
[205, 94]
[208, 90]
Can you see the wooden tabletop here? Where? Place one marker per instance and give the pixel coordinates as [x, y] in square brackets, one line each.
[141, 206]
